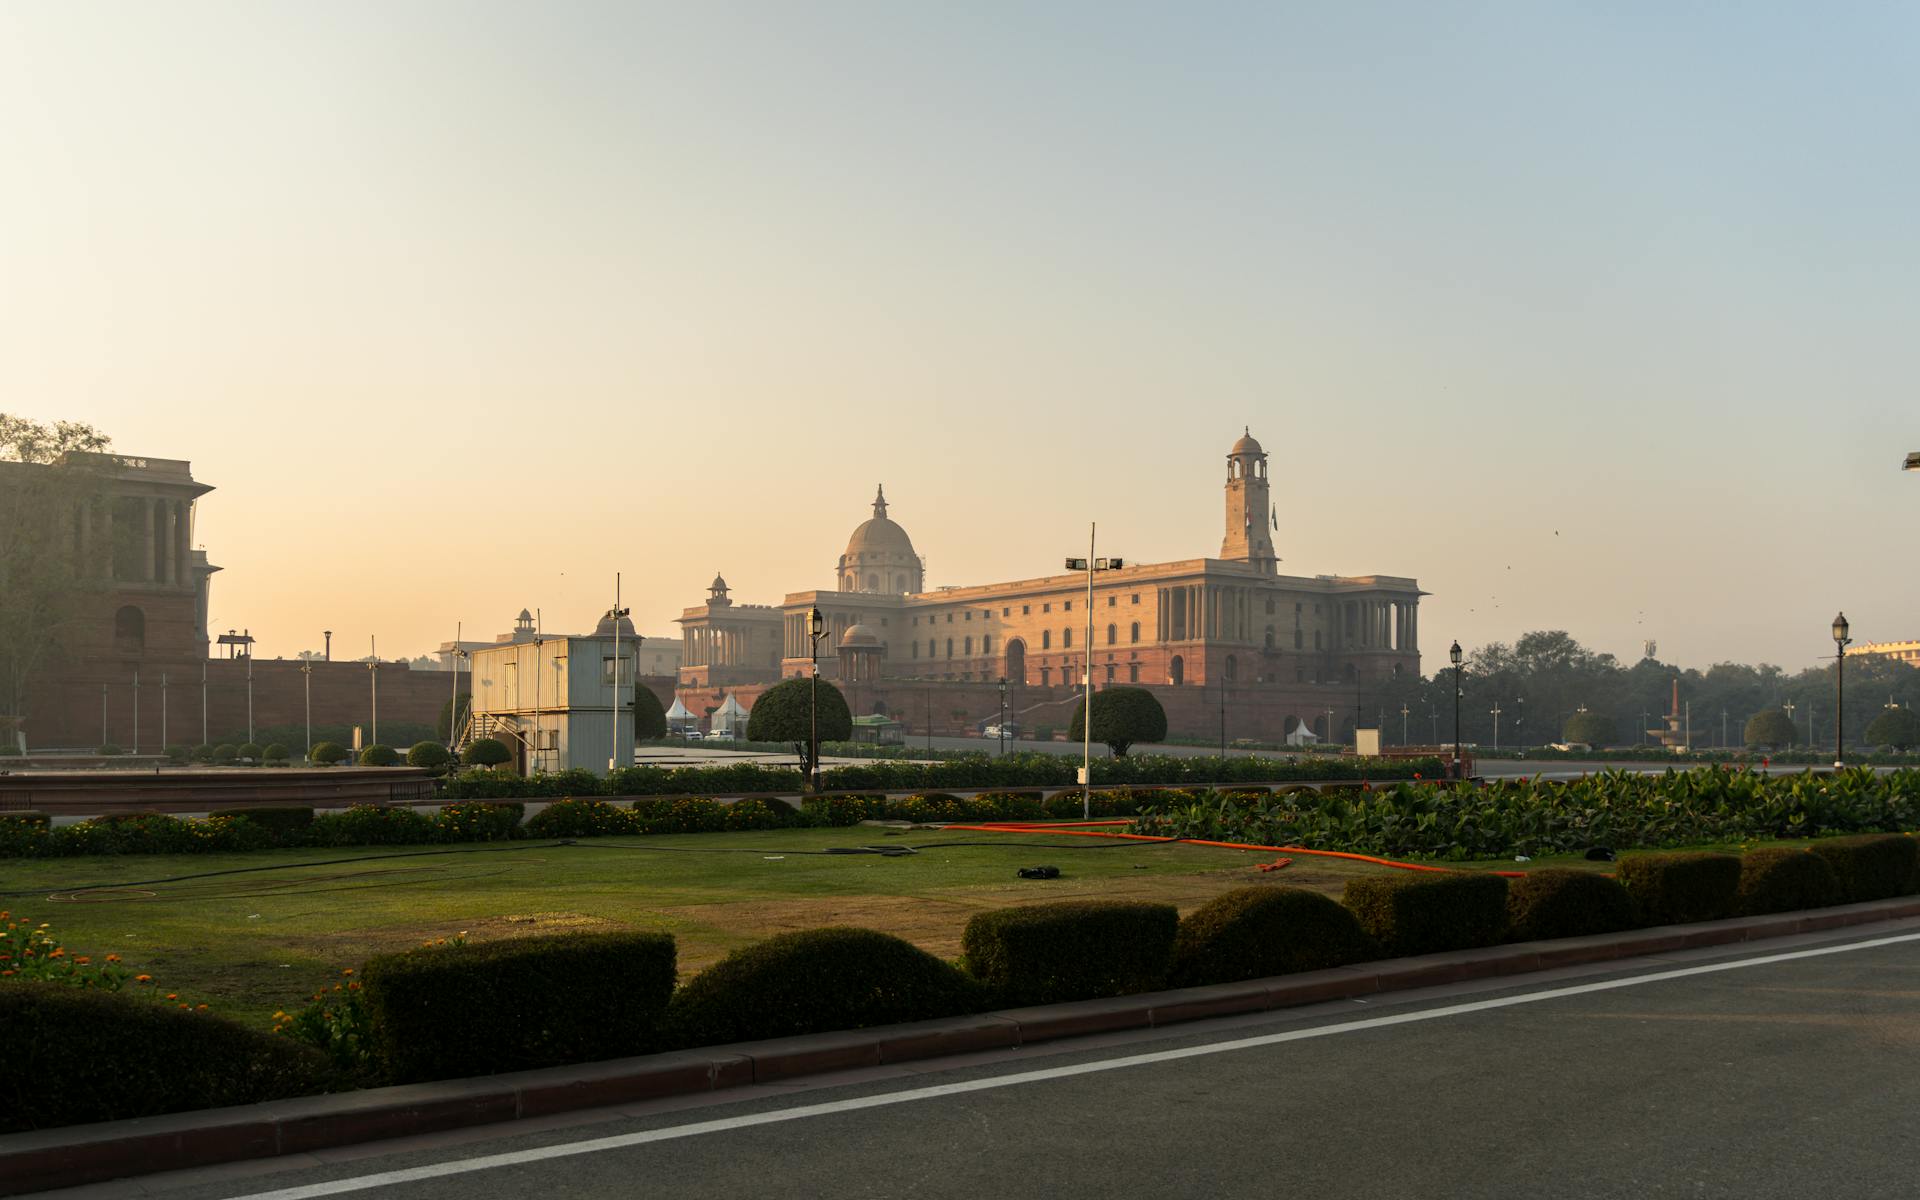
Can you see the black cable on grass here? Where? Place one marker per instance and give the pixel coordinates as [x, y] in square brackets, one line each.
[325, 862]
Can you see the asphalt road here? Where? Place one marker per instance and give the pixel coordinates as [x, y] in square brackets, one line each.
[1734, 1077]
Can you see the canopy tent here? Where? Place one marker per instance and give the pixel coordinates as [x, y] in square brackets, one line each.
[1302, 736]
[680, 718]
[730, 717]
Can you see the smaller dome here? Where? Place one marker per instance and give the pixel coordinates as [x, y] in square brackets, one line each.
[1246, 445]
[605, 627]
[859, 637]
[524, 616]
[719, 584]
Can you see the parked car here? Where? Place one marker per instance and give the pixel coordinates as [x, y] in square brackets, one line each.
[720, 735]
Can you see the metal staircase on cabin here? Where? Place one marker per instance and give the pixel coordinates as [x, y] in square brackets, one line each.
[497, 726]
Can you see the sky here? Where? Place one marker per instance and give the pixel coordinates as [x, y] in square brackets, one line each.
[1589, 317]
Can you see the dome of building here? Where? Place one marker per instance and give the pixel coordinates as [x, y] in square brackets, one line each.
[605, 627]
[719, 583]
[880, 556]
[859, 637]
[1246, 445]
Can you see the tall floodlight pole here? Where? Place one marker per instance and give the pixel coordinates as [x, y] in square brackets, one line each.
[1495, 710]
[249, 692]
[136, 712]
[1089, 564]
[1454, 657]
[816, 629]
[163, 712]
[539, 640]
[613, 759]
[1788, 708]
[1840, 640]
[103, 714]
[203, 702]
[453, 705]
[373, 674]
[306, 685]
[1403, 723]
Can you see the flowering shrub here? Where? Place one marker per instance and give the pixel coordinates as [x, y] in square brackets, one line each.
[371, 825]
[580, 818]
[335, 1022]
[478, 821]
[32, 952]
[840, 811]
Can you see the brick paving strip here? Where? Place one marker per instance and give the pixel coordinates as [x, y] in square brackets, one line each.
[81, 1154]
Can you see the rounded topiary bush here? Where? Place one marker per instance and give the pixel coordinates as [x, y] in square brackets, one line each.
[1253, 932]
[1779, 879]
[175, 753]
[378, 755]
[275, 753]
[202, 753]
[486, 752]
[251, 752]
[325, 754]
[164, 1060]
[108, 750]
[428, 754]
[1557, 903]
[225, 753]
[815, 981]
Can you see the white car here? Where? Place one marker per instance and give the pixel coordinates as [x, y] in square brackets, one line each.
[720, 735]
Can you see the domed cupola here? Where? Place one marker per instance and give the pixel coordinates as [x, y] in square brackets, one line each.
[880, 556]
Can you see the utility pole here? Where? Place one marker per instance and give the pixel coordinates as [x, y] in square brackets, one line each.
[1090, 564]
[136, 712]
[1495, 710]
[1788, 706]
[1403, 723]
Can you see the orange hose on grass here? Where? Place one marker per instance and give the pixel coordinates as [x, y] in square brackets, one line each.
[1065, 830]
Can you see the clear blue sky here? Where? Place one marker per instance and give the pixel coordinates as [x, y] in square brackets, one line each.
[1596, 317]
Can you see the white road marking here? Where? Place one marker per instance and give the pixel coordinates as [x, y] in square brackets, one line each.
[884, 1099]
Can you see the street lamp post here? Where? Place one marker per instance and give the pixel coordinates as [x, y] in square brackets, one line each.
[103, 714]
[136, 712]
[1788, 706]
[1840, 640]
[1403, 723]
[1003, 716]
[1090, 564]
[249, 691]
[816, 629]
[616, 616]
[306, 683]
[373, 676]
[1496, 710]
[163, 712]
[1454, 656]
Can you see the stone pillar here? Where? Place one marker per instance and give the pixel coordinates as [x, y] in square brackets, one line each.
[108, 563]
[147, 561]
[183, 535]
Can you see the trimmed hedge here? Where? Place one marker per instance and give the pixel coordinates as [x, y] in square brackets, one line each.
[27, 817]
[1254, 932]
[579, 818]
[428, 754]
[1778, 879]
[1047, 953]
[371, 825]
[1425, 912]
[287, 826]
[79, 1055]
[1872, 866]
[815, 981]
[325, 754]
[1556, 903]
[446, 1012]
[1677, 889]
[378, 755]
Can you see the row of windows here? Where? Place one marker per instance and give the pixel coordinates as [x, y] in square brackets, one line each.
[1027, 610]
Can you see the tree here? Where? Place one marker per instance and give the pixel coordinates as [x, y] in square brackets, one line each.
[1591, 728]
[49, 476]
[1121, 717]
[378, 755]
[783, 713]
[428, 754]
[486, 752]
[1896, 727]
[1769, 729]
[325, 754]
[649, 719]
[453, 716]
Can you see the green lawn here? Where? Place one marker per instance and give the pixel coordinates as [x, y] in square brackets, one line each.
[247, 941]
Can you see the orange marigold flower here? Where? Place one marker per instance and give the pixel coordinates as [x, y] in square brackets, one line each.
[113, 958]
[4, 973]
[83, 960]
[143, 979]
[348, 971]
[173, 995]
[200, 1008]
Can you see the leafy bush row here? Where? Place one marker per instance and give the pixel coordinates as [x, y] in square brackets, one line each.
[32, 835]
[966, 771]
[1614, 809]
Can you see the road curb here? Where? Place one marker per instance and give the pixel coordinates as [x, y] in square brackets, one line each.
[82, 1154]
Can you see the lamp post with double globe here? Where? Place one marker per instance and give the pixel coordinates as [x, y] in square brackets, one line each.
[1840, 640]
[1454, 656]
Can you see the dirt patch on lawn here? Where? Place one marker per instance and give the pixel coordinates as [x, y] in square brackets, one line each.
[706, 932]
[365, 942]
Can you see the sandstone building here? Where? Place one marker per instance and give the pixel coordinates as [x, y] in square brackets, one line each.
[1277, 651]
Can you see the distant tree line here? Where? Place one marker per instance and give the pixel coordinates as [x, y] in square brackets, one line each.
[1541, 683]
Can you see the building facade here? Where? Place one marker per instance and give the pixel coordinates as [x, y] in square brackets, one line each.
[552, 700]
[1284, 651]
[1906, 652]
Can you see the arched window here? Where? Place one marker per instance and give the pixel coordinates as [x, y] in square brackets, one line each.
[1134, 635]
[1233, 669]
[1269, 637]
[873, 583]
[1066, 638]
[986, 643]
[1046, 639]
[129, 631]
[1177, 671]
[933, 647]
[969, 647]
[916, 648]
[949, 647]
[1113, 634]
